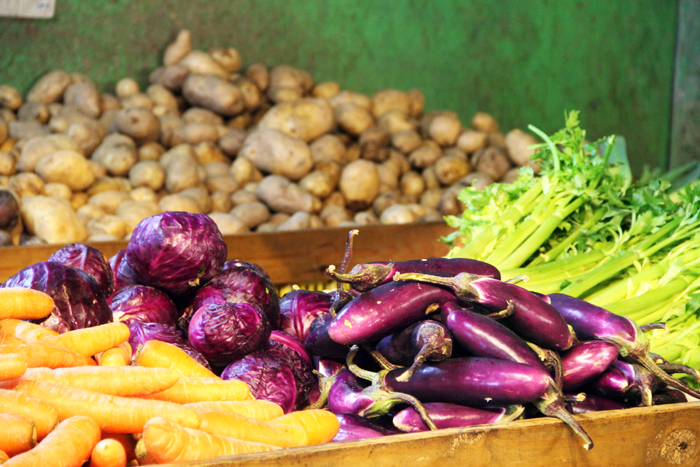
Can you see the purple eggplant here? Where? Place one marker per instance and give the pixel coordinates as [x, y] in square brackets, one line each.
[627, 380]
[585, 361]
[669, 396]
[346, 395]
[590, 321]
[385, 309]
[454, 416]
[354, 427]
[533, 318]
[594, 403]
[421, 341]
[364, 277]
[326, 370]
[319, 343]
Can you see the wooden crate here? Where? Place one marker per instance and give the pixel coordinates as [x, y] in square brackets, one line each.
[289, 257]
[663, 436]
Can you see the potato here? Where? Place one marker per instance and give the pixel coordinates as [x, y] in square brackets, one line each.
[431, 198]
[497, 140]
[334, 199]
[147, 174]
[228, 224]
[109, 102]
[412, 184]
[87, 135]
[194, 133]
[326, 90]
[359, 183]
[478, 180]
[491, 161]
[4, 131]
[65, 116]
[85, 97]
[221, 201]
[109, 201]
[243, 196]
[50, 87]
[444, 128]
[282, 195]
[351, 97]
[426, 154]
[365, 218]
[108, 183]
[213, 93]
[259, 74]
[107, 225]
[200, 62]
[388, 177]
[277, 153]
[78, 199]
[66, 166]
[217, 168]
[139, 100]
[318, 183]
[52, 219]
[298, 221]
[471, 141]
[252, 213]
[150, 151]
[59, 190]
[232, 141]
[373, 142]
[10, 97]
[143, 193]
[397, 214]
[26, 130]
[200, 196]
[330, 167]
[252, 96]
[306, 119]
[171, 76]
[33, 111]
[88, 212]
[117, 153]
[179, 48]
[481, 121]
[451, 167]
[430, 177]
[7, 164]
[518, 143]
[126, 87]
[395, 121]
[511, 176]
[133, 212]
[138, 123]
[417, 99]
[181, 172]
[229, 58]
[390, 99]
[162, 97]
[284, 76]
[353, 119]
[406, 140]
[334, 215]
[385, 200]
[328, 147]
[178, 202]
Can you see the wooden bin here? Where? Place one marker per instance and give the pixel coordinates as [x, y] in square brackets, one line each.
[288, 257]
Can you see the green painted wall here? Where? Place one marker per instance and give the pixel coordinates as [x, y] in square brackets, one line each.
[522, 61]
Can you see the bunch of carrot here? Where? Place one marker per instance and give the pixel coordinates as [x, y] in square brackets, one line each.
[80, 396]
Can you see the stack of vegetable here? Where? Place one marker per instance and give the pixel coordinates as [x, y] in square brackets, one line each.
[586, 228]
[175, 354]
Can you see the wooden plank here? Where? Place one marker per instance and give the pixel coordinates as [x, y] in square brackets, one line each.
[665, 435]
[289, 257]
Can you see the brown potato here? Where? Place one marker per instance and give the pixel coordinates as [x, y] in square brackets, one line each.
[126, 87]
[282, 195]
[108, 201]
[179, 48]
[390, 99]
[251, 213]
[85, 97]
[426, 154]
[518, 143]
[412, 184]
[117, 153]
[10, 97]
[66, 166]
[50, 87]
[406, 140]
[147, 173]
[306, 118]
[353, 118]
[229, 58]
[259, 74]
[395, 121]
[172, 76]
[277, 153]
[213, 93]
[471, 141]
[200, 62]
[138, 123]
[359, 183]
[298, 221]
[7, 164]
[318, 183]
[326, 90]
[328, 147]
[284, 76]
[481, 121]
[450, 168]
[52, 219]
[232, 141]
[26, 130]
[33, 111]
[221, 201]
[491, 161]
[397, 214]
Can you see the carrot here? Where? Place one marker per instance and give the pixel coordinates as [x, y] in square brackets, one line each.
[258, 409]
[92, 340]
[142, 455]
[28, 332]
[11, 366]
[119, 355]
[126, 440]
[42, 354]
[321, 426]
[69, 445]
[125, 381]
[45, 415]
[108, 453]
[3, 456]
[24, 303]
[248, 429]
[17, 433]
[168, 442]
[163, 355]
[189, 389]
[114, 414]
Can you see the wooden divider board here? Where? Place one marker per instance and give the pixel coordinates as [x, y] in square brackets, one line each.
[288, 257]
[663, 436]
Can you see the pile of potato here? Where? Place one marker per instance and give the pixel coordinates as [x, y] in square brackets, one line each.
[257, 149]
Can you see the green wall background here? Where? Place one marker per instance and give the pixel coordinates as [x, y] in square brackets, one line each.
[525, 62]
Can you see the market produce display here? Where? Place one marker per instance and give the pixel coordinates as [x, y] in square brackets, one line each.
[256, 148]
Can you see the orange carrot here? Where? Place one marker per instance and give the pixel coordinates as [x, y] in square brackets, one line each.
[125, 381]
[321, 425]
[126, 440]
[168, 442]
[142, 455]
[11, 366]
[189, 389]
[45, 415]
[17, 433]
[112, 413]
[119, 355]
[71, 444]
[92, 340]
[108, 453]
[28, 332]
[163, 355]
[3, 456]
[248, 429]
[42, 354]
[24, 303]
[258, 409]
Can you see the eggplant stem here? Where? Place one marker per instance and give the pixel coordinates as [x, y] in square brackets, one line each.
[379, 358]
[552, 362]
[552, 405]
[356, 370]
[417, 362]
[348, 251]
[653, 326]
[678, 368]
[418, 406]
[324, 386]
[646, 361]
[510, 309]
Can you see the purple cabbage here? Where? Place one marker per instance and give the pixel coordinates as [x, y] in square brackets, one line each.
[241, 284]
[298, 308]
[143, 303]
[290, 349]
[268, 377]
[237, 263]
[89, 259]
[122, 273]
[78, 300]
[225, 332]
[176, 251]
[141, 332]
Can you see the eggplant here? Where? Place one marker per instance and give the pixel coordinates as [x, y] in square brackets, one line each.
[354, 427]
[421, 341]
[346, 395]
[624, 380]
[319, 343]
[590, 321]
[364, 277]
[669, 396]
[586, 361]
[594, 403]
[533, 318]
[385, 309]
[454, 416]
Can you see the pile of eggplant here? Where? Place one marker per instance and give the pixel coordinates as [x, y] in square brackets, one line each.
[438, 343]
